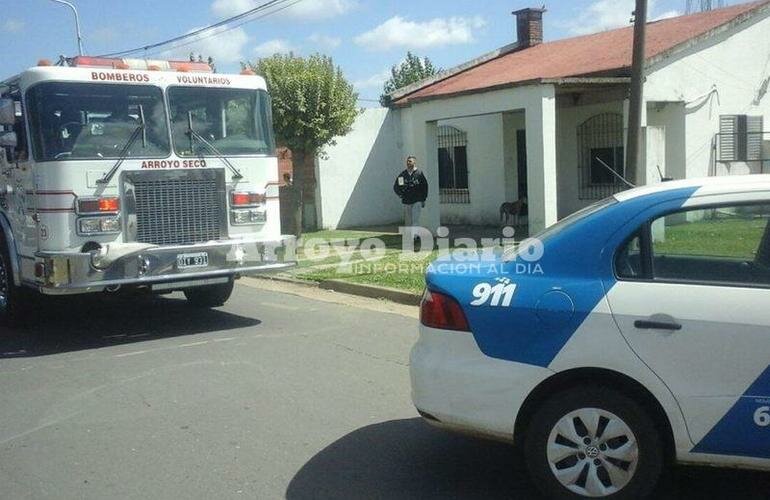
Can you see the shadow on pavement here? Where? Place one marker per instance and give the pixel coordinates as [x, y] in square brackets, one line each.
[408, 459]
[64, 324]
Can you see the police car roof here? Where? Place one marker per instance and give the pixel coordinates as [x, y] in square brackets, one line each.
[703, 186]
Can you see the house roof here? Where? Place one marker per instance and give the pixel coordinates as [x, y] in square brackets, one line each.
[601, 54]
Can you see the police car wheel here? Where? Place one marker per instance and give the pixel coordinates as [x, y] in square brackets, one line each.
[593, 443]
[209, 295]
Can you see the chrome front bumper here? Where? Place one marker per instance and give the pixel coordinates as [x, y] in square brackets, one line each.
[61, 273]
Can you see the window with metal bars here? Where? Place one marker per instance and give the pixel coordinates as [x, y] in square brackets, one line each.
[740, 138]
[600, 153]
[453, 165]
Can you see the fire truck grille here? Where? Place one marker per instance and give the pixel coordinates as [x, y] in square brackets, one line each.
[179, 210]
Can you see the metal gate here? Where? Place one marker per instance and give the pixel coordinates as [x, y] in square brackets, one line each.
[600, 143]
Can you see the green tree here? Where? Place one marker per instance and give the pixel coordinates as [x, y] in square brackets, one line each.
[411, 70]
[312, 104]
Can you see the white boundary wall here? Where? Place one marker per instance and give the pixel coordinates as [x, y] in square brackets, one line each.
[355, 181]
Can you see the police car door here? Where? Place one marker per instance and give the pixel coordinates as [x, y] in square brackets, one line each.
[693, 301]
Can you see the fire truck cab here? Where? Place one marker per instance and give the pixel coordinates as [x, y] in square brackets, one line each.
[136, 173]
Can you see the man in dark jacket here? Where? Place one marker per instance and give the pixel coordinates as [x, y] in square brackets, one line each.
[412, 187]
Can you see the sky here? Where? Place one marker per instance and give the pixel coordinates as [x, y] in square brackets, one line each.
[364, 37]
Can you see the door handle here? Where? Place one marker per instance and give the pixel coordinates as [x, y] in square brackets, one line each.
[657, 325]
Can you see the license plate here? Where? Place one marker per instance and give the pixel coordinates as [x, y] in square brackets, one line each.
[190, 260]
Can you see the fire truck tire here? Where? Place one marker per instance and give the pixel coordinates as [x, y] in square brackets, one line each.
[209, 295]
[10, 295]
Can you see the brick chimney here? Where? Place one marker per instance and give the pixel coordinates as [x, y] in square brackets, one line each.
[529, 26]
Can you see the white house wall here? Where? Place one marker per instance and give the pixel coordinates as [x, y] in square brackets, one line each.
[719, 76]
[538, 101]
[672, 117]
[355, 180]
[486, 176]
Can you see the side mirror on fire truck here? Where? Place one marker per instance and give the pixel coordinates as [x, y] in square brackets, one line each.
[7, 112]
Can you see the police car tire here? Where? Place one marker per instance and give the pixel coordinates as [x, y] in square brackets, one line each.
[209, 295]
[650, 455]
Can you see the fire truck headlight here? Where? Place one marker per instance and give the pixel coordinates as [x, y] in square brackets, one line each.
[248, 216]
[110, 225]
[89, 226]
[98, 225]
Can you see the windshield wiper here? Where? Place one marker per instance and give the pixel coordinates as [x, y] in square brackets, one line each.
[141, 129]
[195, 136]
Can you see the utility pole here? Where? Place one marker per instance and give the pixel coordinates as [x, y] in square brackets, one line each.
[77, 23]
[636, 100]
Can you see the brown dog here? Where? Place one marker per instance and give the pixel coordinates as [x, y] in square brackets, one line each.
[512, 210]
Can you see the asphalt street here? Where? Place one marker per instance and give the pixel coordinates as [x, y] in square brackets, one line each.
[275, 395]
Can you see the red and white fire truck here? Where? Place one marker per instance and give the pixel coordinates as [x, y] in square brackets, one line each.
[136, 173]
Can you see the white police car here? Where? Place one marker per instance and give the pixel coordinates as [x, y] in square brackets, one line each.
[643, 339]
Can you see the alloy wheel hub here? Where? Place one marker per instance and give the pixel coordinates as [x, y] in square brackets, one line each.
[592, 452]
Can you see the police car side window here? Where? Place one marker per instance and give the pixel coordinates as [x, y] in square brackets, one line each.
[718, 245]
[628, 261]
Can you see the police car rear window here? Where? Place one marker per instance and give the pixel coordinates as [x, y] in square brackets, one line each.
[575, 217]
[566, 222]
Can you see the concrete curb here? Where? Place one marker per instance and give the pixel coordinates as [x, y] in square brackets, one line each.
[284, 279]
[372, 291]
[368, 291]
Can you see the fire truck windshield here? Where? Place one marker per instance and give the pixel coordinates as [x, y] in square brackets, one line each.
[234, 121]
[86, 121]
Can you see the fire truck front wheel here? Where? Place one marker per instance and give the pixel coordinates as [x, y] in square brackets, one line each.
[10, 295]
[209, 295]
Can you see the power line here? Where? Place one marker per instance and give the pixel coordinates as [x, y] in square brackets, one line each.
[224, 22]
[227, 28]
